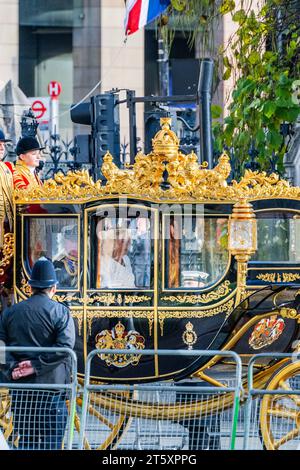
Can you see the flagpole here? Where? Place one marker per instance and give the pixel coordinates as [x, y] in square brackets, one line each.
[163, 66]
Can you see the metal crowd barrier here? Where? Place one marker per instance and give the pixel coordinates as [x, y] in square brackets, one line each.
[162, 415]
[272, 417]
[38, 416]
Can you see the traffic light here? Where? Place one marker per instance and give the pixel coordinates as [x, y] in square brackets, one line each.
[102, 114]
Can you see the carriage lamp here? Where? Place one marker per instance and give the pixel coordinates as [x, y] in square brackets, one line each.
[242, 229]
[242, 242]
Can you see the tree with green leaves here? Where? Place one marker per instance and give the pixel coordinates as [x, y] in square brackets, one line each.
[263, 57]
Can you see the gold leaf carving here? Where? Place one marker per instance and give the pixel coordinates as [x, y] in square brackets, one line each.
[64, 298]
[290, 313]
[25, 288]
[78, 315]
[7, 251]
[188, 180]
[135, 299]
[278, 277]
[216, 294]
[94, 314]
[225, 308]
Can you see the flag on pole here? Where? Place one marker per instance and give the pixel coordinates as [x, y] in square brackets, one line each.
[141, 12]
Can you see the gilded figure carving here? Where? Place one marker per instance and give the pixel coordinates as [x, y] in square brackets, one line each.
[188, 179]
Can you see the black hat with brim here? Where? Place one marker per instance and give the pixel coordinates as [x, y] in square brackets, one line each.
[27, 144]
[2, 137]
[43, 274]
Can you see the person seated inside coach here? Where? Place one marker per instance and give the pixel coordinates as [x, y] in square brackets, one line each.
[66, 261]
[115, 266]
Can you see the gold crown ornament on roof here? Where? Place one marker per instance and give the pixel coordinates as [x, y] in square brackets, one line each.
[165, 143]
[183, 178]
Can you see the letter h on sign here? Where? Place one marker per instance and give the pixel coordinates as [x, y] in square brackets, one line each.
[54, 89]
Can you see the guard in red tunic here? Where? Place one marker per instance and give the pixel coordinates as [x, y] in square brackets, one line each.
[6, 224]
[25, 175]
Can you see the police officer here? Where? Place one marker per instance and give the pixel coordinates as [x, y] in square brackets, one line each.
[39, 322]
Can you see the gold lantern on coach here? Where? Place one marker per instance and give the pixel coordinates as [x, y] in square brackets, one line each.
[242, 241]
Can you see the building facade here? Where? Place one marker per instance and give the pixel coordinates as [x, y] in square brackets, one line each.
[80, 43]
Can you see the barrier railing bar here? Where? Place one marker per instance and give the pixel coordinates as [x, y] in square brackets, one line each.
[41, 386]
[256, 391]
[148, 388]
[192, 353]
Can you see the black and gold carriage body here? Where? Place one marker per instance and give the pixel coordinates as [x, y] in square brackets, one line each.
[166, 255]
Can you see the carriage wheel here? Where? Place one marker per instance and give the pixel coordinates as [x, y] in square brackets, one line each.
[5, 418]
[280, 414]
[113, 427]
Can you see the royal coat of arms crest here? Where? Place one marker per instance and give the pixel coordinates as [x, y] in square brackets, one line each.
[119, 338]
[266, 331]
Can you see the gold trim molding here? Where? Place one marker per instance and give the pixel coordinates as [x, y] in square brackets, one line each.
[278, 277]
[78, 315]
[165, 315]
[107, 299]
[94, 314]
[25, 287]
[7, 251]
[110, 299]
[135, 299]
[290, 313]
[216, 294]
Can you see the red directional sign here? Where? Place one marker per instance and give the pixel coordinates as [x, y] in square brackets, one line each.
[38, 108]
[54, 89]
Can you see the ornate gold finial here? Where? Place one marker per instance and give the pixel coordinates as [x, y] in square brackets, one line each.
[165, 143]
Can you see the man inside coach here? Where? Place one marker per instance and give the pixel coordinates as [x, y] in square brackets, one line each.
[38, 322]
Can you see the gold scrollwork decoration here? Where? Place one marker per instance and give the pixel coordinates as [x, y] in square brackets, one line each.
[7, 251]
[106, 299]
[25, 287]
[290, 313]
[188, 180]
[278, 277]
[64, 298]
[135, 299]
[109, 299]
[224, 308]
[218, 293]
[94, 314]
[78, 315]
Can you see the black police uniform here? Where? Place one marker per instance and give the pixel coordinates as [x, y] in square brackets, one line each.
[39, 416]
[39, 322]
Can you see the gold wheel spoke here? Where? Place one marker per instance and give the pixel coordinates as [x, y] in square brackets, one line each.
[283, 413]
[289, 436]
[101, 418]
[285, 386]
